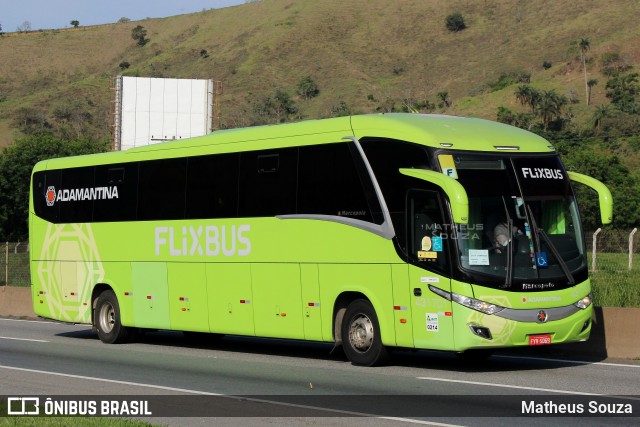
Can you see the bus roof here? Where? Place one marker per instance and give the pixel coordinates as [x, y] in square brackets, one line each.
[450, 132]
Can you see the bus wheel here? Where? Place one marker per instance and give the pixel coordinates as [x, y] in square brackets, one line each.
[107, 319]
[361, 339]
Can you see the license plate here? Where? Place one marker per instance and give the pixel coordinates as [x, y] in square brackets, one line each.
[540, 339]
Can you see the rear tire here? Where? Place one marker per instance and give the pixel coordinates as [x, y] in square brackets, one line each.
[107, 320]
[361, 339]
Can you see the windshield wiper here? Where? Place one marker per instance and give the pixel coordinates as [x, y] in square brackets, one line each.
[541, 233]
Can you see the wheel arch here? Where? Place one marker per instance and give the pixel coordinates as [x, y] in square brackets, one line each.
[340, 307]
[97, 290]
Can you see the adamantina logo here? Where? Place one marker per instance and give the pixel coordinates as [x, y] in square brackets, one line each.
[50, 196]
[80, 194]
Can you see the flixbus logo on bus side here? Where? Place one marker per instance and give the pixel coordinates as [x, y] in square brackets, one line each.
[201, 240]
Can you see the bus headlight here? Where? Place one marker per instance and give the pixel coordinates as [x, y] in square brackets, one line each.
[472, 303]
[584, 302]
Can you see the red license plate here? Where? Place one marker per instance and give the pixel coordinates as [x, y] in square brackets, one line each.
[540, 339]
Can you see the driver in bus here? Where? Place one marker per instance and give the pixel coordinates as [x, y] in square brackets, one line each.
[502, 236]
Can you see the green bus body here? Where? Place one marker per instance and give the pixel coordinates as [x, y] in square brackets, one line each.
[246, 232]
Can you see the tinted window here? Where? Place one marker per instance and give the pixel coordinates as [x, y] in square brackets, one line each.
[268, 182]
[330, 184]
[161, 189]
[386, 156]
[124, 177]
[45, 186]
[212, 186]
[78, 194]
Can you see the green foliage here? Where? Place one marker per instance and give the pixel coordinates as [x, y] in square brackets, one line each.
[31, 121]
[622, 90]
[545, 105]
[508, 79]
[587, 156]
[455, 22]
[613, 64]
[204, 53]
[445, 100]
[16, 163]
[124, 65]
[546, 65]
[521, 120]
[275, 108]
[75, 23]
[139, 34]
[341, 110]
[307, 88]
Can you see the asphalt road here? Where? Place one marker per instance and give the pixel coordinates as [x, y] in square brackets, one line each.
[295, 383]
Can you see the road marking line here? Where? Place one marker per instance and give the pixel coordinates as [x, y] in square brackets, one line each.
[206, 393]
[22, 339]
[25, 320]
[509, 386]
[48, 322]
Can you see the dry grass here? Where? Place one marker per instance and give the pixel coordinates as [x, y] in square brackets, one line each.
[351, 49]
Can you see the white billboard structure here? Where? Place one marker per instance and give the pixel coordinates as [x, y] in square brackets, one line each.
[151, 110]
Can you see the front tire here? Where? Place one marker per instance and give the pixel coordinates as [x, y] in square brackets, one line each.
[360, 331]
[107, 320]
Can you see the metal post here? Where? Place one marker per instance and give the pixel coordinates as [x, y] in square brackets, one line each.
[631, 247]
[6, 264]
[593, 250]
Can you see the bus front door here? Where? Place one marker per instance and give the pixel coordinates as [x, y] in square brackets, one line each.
[427, 243]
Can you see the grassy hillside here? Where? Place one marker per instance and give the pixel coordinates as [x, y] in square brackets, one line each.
[367, 53]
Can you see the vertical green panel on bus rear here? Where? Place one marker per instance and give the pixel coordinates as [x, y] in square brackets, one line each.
[188, 297]
[118, 276]
[150, 295]
[311, 301]
[230, 299]
[277, 298]
[402, 305]
[432, 314]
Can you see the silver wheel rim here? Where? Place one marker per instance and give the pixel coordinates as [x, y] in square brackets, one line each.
[361, 333]
[107, 317]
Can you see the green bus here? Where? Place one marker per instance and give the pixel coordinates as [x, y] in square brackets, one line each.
[370, 232]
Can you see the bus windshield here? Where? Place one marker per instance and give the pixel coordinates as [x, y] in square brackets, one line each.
[523, 219]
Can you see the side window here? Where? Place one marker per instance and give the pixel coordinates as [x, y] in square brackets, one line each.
[212, 186]
[268, 182]
[386, 156]
[427, 232]
[124, 179]
[77, 183]
[161, 189]
[332, 181]
[46, 185]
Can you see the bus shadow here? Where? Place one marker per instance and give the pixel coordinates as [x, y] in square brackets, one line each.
[515, 359]
[518, 359]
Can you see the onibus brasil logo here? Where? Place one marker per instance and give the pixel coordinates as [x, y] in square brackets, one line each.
[80, 194]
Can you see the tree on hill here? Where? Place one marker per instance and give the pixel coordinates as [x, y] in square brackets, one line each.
[455, 22]
[590, 84]
[139, 34]
[307, 88]
[550, 107]
[584, 46]
[75, 23]
[24, 27]
[622, 91]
